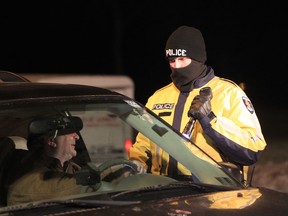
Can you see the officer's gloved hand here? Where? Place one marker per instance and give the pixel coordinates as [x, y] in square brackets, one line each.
[140, 167]
[200, 107]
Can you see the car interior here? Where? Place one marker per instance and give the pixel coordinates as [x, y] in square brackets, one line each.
[13, 153]
[15, 156]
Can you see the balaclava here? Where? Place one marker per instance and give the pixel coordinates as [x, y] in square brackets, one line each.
[187, 42]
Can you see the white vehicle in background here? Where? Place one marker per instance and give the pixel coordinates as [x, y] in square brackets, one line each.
[119, 83]
[121, 137]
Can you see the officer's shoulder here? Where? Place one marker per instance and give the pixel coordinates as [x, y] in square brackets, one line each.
[227, 82]
[164, 88]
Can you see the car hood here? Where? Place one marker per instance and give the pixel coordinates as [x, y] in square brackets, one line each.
[244, 202]
[254, 201]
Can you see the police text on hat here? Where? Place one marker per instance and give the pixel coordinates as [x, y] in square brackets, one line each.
[186, 41]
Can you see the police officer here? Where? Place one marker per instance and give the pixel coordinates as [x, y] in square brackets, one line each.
[226, 126]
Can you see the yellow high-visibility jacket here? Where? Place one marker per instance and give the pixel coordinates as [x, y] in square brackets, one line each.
[232, 135]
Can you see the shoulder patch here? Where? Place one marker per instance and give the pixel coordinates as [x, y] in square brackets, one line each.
[248, 104]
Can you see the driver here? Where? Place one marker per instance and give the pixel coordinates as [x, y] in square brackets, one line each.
[52, 142]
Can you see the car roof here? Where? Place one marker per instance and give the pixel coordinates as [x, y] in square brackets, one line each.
[15, 90]
[15, 87]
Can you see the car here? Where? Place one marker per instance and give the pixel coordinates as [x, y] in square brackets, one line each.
[26, 107]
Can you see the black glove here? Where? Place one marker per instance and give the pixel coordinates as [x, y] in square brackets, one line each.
[200, 107]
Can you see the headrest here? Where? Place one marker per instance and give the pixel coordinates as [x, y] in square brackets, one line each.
[20, 142]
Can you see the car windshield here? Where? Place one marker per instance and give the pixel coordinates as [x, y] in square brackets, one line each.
[110, 125]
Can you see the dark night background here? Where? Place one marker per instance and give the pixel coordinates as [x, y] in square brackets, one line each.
[245, 41]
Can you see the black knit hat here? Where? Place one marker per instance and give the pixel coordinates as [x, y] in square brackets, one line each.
[186, 41]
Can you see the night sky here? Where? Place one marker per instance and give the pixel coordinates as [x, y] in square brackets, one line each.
[246, 41]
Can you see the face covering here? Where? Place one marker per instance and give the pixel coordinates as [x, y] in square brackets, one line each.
[184, 78]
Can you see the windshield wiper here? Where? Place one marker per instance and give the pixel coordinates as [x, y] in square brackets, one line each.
[202, 188]
[71, 202]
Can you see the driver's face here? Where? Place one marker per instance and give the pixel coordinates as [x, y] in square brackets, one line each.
[66, 145]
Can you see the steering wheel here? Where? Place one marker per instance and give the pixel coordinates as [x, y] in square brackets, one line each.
[110, 172]
[116, 169]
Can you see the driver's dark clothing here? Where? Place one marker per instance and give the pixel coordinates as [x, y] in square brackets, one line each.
[47, 180]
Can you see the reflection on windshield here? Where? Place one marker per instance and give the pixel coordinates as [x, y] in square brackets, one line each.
[203, 168]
